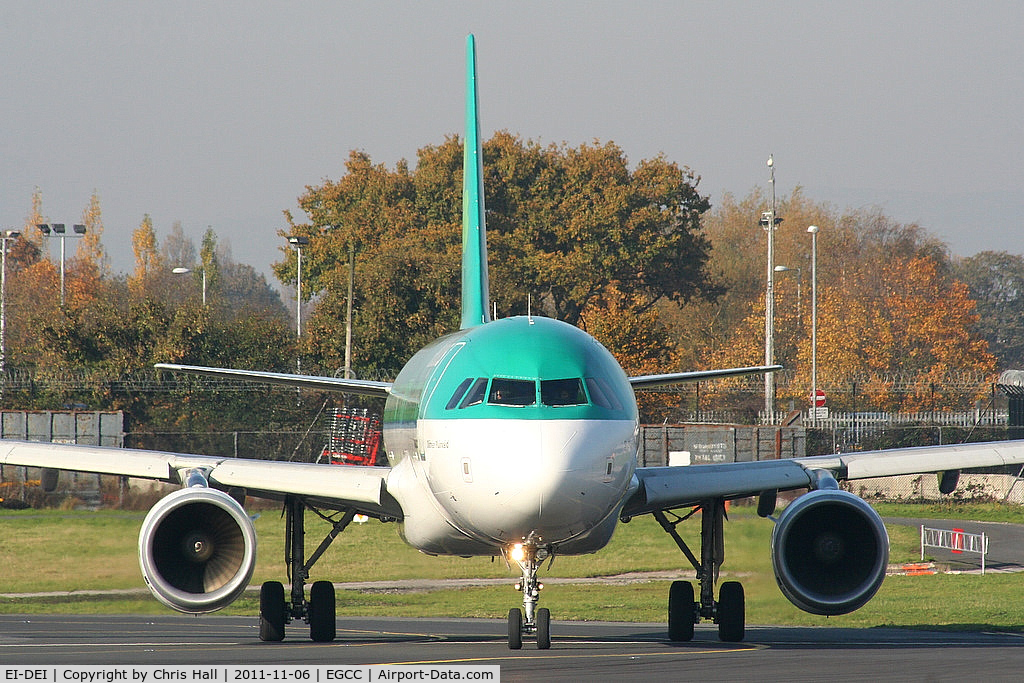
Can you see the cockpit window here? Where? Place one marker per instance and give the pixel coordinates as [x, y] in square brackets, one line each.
[454, 400]
[512, 392]
[476, 393]
[602, 395]
[562, 392]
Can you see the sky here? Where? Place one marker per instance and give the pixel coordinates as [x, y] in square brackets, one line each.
[220, 114]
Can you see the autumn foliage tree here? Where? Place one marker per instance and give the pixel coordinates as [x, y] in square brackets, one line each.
[895, 329]
[565, 227]
[642, 344]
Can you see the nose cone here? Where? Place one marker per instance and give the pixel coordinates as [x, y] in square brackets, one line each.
[556, 479]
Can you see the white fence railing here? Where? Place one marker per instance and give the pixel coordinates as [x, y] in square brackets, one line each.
[964, 418]
[955, 540]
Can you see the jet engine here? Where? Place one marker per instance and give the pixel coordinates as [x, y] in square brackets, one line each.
[197, 550]
[829, 552]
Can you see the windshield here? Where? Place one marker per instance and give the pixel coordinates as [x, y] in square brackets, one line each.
[512, 392]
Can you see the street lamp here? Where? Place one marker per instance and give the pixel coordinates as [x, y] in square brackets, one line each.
[348, 311]
[814, 323]
[181, 270]
[58, 230]
[298, 241]
[7, 236]
[770, 222]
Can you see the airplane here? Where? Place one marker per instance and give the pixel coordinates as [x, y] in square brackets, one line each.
[513, 438]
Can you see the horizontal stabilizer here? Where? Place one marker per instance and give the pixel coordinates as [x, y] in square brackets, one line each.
[348, 386]
[646, 381]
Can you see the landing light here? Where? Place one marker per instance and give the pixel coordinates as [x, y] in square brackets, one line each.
[518, 554]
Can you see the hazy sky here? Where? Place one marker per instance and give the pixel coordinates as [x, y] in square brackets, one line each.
[221, 113]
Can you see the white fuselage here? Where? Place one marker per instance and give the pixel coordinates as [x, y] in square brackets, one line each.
[475, 486]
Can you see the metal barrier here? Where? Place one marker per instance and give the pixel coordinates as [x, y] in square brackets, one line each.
[955, 540]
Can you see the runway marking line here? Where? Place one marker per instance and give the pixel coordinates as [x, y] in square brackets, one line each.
[91, 645]
[511, 658]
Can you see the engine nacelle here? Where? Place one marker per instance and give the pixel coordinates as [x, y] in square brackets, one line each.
[197, 550]
[830, 551]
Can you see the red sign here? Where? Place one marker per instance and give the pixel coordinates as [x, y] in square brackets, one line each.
[818, 399]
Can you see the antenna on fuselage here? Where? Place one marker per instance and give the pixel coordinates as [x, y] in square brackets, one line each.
[475, 286]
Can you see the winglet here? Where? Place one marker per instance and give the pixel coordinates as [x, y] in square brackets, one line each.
[475, 287]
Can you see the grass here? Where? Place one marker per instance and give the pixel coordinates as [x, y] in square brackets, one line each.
[73, 551]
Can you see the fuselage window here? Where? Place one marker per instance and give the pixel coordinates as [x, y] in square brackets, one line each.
[454, 400]
[602, 395]
[476, 393]
[562, 392]
[512, 392]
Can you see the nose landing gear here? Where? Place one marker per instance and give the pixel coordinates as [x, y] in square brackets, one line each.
[529, 621]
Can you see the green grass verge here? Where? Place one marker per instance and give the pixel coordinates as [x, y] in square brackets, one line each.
[74, 551]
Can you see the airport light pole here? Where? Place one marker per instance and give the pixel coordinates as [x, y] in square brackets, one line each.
[298, 242]
[7, 236]
[769, 221]
[348, 313]
[58, 230]
[814, 323]
[180, 270]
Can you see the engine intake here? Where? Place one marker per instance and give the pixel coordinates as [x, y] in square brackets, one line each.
[197, 550]
[829, 551]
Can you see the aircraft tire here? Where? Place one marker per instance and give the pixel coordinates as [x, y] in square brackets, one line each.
[272, 611]
[681, 612]
[515, 629]
[543, 629]
[731, 612]
[322, 609]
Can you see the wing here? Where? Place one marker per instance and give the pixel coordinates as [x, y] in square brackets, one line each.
[337, 486]
[646, 381]
[350, 386]
[663, 488]
[360, 488]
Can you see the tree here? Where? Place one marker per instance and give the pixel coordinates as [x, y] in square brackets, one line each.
[568, 222]
[27, 249]
[90, 254]
[996, 282]
[641, 344]
[89, 269]
[178, 249]
[564, 225]
[890, 316]
[209, 265]
[369, 210]
[148, 262]
[246, 292]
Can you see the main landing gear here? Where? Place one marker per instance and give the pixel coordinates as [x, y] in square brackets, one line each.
[683, 612]
[319, 610]
[537, 622]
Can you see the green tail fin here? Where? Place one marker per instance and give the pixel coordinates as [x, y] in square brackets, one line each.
[475, 286]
